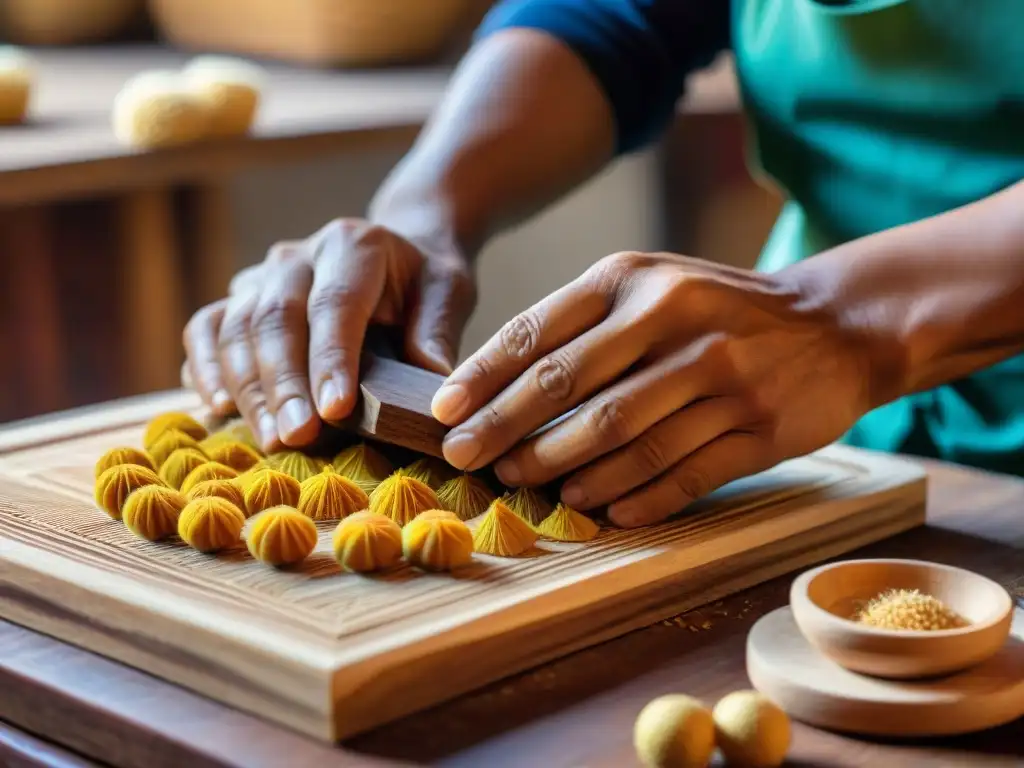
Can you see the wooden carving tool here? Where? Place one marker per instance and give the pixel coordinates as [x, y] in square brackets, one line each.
[394, 399]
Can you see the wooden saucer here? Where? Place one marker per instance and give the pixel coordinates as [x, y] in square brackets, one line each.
[812, 688]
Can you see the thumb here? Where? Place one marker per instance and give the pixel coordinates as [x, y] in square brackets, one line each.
[447, 296]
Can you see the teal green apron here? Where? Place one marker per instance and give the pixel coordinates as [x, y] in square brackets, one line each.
[869, 114]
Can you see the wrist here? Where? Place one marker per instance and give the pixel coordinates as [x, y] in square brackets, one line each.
[867, 325]
[418, 201]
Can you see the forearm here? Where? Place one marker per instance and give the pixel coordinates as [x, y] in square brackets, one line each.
[552, 92]
[935, 300]
[523, 122]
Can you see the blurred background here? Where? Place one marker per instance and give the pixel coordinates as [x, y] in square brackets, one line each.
[105, 251]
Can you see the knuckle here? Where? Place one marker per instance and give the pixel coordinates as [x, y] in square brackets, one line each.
[649, 456]
[520, 336]
[327, 300]
[327, 357]
[492, 418]
[623, 261]
[692, 483]
[611, 275]
[288, 382]
[282, 252]
[372, 235]
[234, 329]
[482, 367]
[245, 278]
[554, 378]
[610, 421]
[249, 393]
[277, 313]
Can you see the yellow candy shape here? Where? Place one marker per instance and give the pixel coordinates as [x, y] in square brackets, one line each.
[231, 453]
[503, 533]
[281, 536]
[436, 540]
[367, 541]
[431, 471]
[365, 466]
[170, 441]
[270, 488]
[529, 505]
[401, 498]
[179, 465]
[165, 422]
[223, 489]
[329, 496]
[210, 524]
[123, 455]
[117, 483]
[466, 496]
[210, 470]
[152, 512]
[566, 524]
[296, 464]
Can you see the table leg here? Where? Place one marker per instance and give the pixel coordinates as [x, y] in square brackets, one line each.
[34, 313]
[153, 295]
[212, 240]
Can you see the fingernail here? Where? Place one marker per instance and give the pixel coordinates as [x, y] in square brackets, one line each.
[221, 400]
[449, 403]
[329, 396]
[461, 450]
[508, 472]
[268, 429]
[333, 394]
[295, 414]
[573, 495]
[624, 515]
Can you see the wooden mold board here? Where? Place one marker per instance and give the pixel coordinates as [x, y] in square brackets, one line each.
[333, 654]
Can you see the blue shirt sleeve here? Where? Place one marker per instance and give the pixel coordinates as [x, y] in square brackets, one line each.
[640, 51]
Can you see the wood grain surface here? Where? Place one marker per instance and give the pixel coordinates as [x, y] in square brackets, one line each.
[334, 655]
[19, 750]
[130, 719]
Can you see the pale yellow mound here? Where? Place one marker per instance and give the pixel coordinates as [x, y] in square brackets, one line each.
[17, 74]
[230, 89]
[751, 730]
[674, 731]
[503, 533]
[909, 609]
[157, 109]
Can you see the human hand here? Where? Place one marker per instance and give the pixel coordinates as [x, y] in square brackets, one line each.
[687, 374]
[283, 349]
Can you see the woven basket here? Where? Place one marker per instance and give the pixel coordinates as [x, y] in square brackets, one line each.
[316, 32]
[67, 22]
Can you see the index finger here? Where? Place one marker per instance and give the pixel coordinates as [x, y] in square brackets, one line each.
[348, 281]
[548, 325]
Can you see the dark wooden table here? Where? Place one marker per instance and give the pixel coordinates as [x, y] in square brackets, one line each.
[578, 711]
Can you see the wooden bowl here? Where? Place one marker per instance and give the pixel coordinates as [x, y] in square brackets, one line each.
[823, 599]
[67, 22]
[323, 33]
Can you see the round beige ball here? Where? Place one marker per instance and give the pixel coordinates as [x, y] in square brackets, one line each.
[17, 73]
[674, 731]
[155, 109]
[751, 730]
